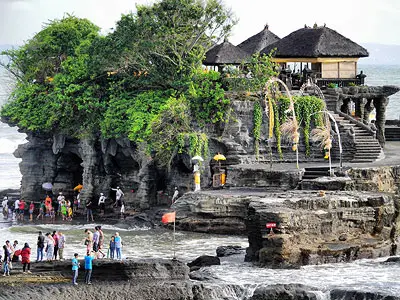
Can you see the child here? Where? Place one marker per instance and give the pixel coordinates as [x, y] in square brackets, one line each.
[31, 208]
[41, 210]
[70, 213]
[64, 211]
[75, 267]
[52, 214]
[112, 247]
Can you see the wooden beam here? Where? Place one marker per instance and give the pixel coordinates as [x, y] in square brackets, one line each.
[315, 59]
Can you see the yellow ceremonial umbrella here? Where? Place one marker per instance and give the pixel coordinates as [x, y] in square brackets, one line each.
[218, 157]
[78, 188]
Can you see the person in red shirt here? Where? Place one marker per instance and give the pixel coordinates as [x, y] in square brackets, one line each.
[26, 257]
[47, 203]
[21, 207]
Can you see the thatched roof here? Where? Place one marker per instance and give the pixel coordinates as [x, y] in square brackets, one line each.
[316, 42]
[225, 54]
[259, 41]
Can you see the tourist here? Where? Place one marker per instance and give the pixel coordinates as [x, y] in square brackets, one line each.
[42, 208]
[118, 196]
[101, 240]
[175, 195]
[75, 267]
[88, 240]
[26, 258]
[6, 261]
[16, 208]
[102, 203]
[118, 245]
[10, 249]
[21, 207]
[112, 247]
[122, 208]
[64, 210]
[89, 211]
[55, 237]
[31, 209]
[40, 247]
[52, 214]
[48, 205]
[96, 237]
[60, 200]
[61, 245]
[4, 204]
[70, 213]
[49, 247]
[88, 267]
[16, 252]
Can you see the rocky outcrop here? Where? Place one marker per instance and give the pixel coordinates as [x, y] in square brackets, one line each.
[212, 212]
[313, 229]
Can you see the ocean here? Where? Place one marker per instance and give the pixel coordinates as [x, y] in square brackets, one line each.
[10, 138]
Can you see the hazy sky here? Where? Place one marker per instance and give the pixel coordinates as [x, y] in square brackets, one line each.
[360, 20]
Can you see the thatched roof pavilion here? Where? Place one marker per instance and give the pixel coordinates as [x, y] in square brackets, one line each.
[225, 54]
[259, 41]
[320, 42]
[332, 56]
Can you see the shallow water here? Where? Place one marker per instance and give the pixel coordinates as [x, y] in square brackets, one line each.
[366, 275]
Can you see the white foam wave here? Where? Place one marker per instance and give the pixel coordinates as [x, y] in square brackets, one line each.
[9, 145]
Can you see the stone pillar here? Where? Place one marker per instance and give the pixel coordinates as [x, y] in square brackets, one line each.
[89, 162]
[380, 107]
[361, 107]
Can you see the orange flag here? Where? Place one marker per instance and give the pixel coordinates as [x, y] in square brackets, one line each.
[168, 217]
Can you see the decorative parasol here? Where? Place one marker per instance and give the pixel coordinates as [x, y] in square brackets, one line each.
[78, 188]
[47, 186]
[218, 157]
[197, 157]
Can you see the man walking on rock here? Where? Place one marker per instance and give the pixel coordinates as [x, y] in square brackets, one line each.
[88, 267]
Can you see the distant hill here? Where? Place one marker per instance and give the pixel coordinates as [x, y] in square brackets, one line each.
[380, 54]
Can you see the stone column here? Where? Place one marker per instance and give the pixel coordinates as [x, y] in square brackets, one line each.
[89, 162]
[361, 106]
[380, 107]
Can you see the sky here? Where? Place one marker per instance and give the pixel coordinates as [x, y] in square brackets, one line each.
[363, 21]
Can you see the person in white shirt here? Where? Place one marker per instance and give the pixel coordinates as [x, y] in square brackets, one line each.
[175, 195]
[102, 203]
[16, 206]
[4, 204]
[60, 200]
[118, 196]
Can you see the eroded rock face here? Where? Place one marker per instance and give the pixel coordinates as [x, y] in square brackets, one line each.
[212, 212]
[310, 228]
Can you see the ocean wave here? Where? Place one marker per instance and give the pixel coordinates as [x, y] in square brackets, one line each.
[10, 145]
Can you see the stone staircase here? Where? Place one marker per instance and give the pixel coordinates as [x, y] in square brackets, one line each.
[392, 133]
[366, 147]
[315, 172]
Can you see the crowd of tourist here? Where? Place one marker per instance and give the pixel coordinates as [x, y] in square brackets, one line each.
[51, 208]
[50, 247]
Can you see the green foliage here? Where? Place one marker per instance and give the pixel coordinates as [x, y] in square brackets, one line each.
[257, 121]
[352, 84]
[252, 75]
[332, 85]
[166, 40]
[142, 81]
[207, 98]
[168, 128]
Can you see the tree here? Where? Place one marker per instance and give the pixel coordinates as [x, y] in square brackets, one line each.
[165, 41]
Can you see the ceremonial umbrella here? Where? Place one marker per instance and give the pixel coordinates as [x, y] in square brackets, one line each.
[218, 157]
[78, 188]
[197, 157]
[47, 186]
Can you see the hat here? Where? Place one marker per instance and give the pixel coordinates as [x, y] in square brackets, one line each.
[117, 187]
[101, 194]
[60, 193]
